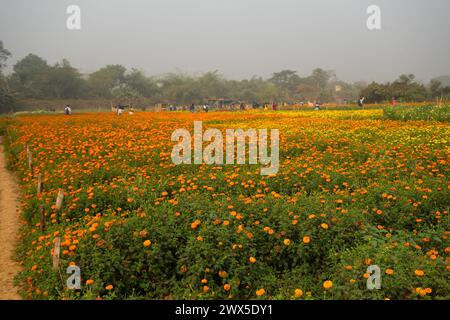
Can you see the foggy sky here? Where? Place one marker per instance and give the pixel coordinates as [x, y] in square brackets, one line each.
[240, 38]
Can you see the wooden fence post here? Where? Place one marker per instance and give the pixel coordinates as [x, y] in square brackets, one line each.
[30, 159]
[59, 199]
[42, 212]
[56, 252]
[39, 184]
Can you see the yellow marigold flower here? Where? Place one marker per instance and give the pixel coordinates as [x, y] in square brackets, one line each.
[287, 242]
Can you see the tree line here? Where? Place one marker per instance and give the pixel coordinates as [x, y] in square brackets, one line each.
[33, 78]
[407, 89]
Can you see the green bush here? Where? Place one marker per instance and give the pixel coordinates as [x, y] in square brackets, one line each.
[428, 113]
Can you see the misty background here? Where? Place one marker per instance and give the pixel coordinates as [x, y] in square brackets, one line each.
[239, 38]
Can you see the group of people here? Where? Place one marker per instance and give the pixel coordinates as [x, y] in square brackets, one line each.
[205, 108]
[121, 109]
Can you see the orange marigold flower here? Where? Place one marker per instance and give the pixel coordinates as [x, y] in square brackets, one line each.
[90, 281]
[195, 224]
[389, 271]
[306, 239]
[298, 293]
[109, 287]
[260, 292]
[147, 243]
[227, 287]
[328, 284]
[222, 273]
[419, 273]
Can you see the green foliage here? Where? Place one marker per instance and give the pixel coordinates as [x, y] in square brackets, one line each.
[106, 79]
[428, 113]
[34, 78]
[4, 55]
[405, 89]
[29, 76]
[7, 100]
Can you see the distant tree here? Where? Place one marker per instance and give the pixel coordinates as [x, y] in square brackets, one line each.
[62, 81]
[307, 91]
[143, 85]
[435, 89]
[213, 85]
[29, 76]
[375, 93]
[286, 79]
[181, 89]
[4, 55]
[320, 77]
[7, 99]
[405, 88]
[107, 78]
[124, 94]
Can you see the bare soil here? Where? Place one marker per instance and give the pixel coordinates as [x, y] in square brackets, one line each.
[9, 230]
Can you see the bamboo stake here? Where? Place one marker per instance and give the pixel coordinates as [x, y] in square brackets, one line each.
[39, 184]
[42, 224]
[56, 253]
[59, 199]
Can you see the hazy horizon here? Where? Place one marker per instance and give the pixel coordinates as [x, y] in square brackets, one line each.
[240, 39]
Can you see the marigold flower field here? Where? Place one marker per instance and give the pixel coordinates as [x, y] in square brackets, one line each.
[353, 190]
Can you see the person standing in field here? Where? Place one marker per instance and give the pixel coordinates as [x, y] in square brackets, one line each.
[67, 110]
[192, 107]
[120, 109]
[361, 102]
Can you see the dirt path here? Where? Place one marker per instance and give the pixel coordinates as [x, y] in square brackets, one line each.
[9, 230]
